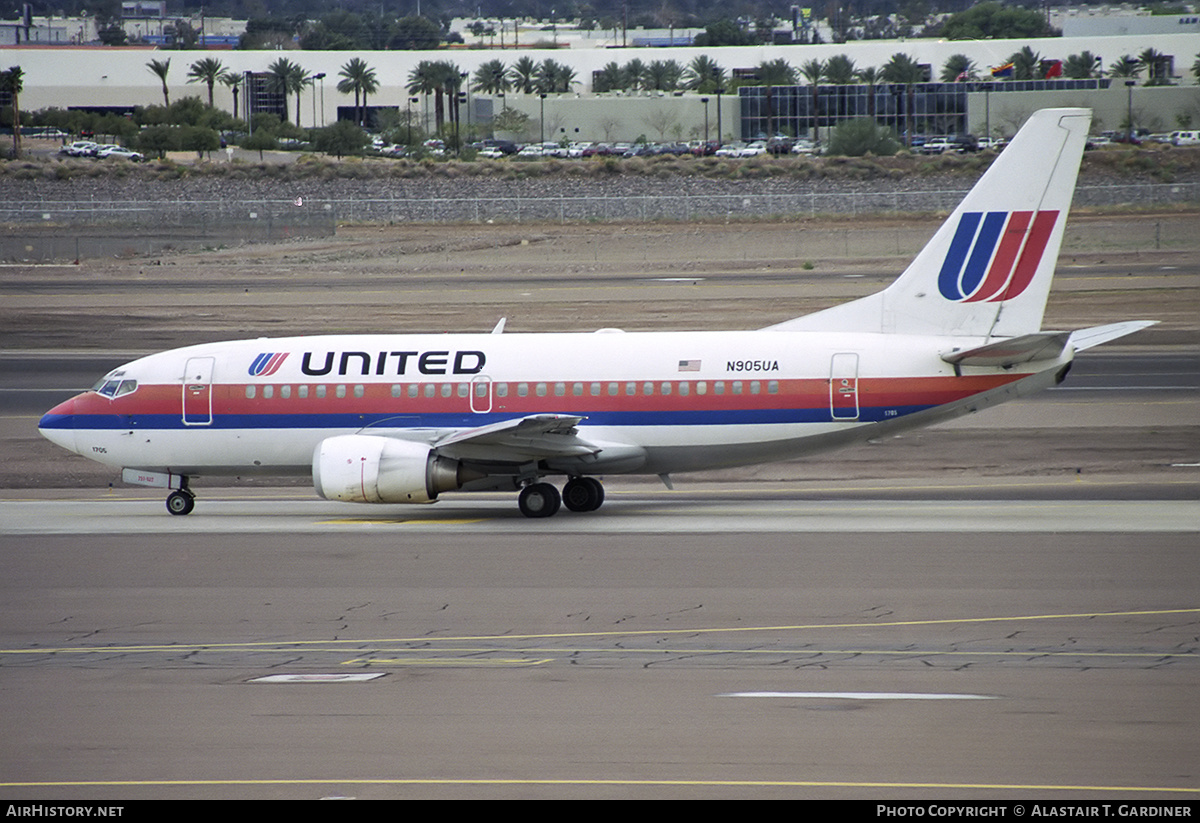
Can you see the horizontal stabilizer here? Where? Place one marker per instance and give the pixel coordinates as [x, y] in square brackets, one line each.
[1086, 338]
[1045, 345]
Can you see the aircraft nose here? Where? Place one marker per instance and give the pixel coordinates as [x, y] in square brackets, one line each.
[58, 424]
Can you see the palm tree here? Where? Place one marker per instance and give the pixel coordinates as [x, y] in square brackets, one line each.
[359, 78]
[522, 75]
[492, 78]
[207, 70]
[422, 80]
[904, 70]
[13, 82]
[234, 81]
[814, 72]
[1196, 68]
[770, 74]
[553, 78]
[870, 77]
[1127, 66]
[1026, 64]
[664, 75]
[608, 78]
[840, 70]
[635, 75]
[958, 67]
[1081, 66]
[287, 77]
[1156, 64]
[704, 75]
[160, 69]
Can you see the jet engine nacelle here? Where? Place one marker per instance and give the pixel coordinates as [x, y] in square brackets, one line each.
[360, 468]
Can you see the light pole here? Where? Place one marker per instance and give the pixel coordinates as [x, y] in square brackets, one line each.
[704, 100]
[720, 91]
[320, 76]
[1129, 84]
[411, 100]
[987, 113]
[542, 116]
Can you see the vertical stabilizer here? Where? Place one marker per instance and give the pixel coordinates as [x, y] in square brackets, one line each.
[987, 270]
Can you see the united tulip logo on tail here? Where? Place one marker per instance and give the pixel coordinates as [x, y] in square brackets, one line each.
[1011, 242]
[267, 363]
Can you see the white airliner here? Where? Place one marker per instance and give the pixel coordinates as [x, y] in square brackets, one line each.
[403, 418]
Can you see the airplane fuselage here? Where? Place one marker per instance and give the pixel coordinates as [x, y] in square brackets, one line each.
[664, 402]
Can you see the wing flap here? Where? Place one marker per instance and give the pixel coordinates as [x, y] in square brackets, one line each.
[535, 437]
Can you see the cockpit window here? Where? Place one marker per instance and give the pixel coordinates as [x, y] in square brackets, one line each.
[114, 387]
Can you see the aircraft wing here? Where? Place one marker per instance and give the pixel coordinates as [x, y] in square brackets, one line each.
[536, 437]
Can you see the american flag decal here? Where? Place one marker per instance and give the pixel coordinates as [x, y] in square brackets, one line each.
[689, 365]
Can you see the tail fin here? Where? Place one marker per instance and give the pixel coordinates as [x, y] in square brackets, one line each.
[987, 270]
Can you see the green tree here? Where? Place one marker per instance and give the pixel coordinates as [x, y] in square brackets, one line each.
[160, 68]
[199, 139]
[414, 33]
[13, 82]
[995, 21]
[340, 139]
[261, 140]
[207, 70]
[855, 138]
[158, 140]
[723, 32]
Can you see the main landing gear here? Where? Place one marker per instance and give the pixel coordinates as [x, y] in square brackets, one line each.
[581, 494]
[181, 501]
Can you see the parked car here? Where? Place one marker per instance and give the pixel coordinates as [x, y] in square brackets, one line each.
[80, 148]
[121, 151]
[1185, 138]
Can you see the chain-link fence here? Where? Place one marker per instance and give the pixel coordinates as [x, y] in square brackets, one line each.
[73, 230]
[77, 230]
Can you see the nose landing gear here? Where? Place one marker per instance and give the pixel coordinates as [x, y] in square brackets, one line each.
[181, 501]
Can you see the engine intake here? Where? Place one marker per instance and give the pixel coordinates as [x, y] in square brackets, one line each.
[360, 468]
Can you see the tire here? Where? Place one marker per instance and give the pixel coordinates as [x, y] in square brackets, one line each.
[539, 500]
[583, 494]
[180, 503]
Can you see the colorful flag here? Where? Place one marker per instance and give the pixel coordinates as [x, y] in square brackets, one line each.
[1004, 71]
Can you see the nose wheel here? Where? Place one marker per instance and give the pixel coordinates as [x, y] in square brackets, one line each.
[181, 502]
